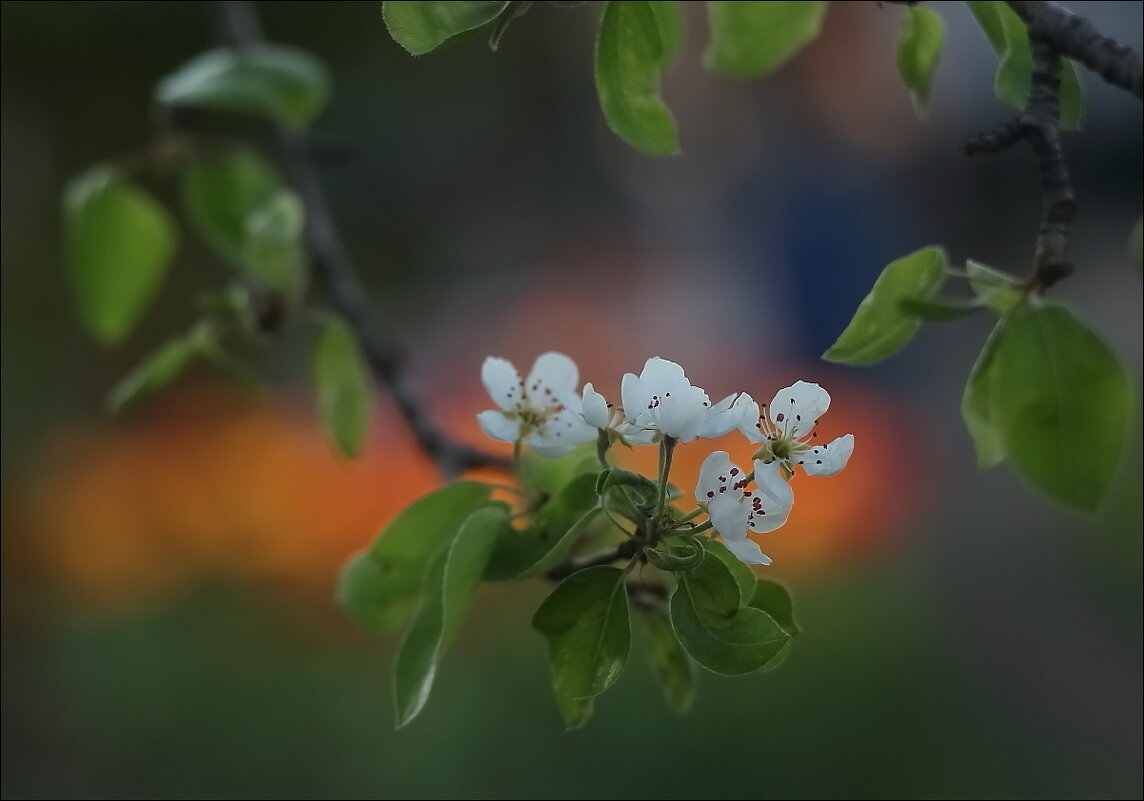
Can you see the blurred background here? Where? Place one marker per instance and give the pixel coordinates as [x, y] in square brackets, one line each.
[168, 627]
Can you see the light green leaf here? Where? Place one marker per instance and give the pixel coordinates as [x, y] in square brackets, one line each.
[587, 625]
[670, 663]
[670, 24]
[380, 586]
[1063, 404]
[919, 46]
[976, 403]
[880, 327]
[421, 27]
[283, 84]
[1010, 40]
[119, 245]
[274, 253]
[743, 575]
[343, 386]
[221, 191]
[452, 583]
[715, 629]
[774, 599]
[940, 310]
[156, 371]
[631, 54]
[751, 38]
[999, 291]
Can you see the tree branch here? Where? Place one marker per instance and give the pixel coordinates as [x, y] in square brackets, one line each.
[337, 272]
[624, 551]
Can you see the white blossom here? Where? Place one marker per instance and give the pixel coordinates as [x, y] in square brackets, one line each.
[735, 507]
[786, 431]
[662, 401]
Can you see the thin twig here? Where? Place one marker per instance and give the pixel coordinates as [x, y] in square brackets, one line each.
[624, 551]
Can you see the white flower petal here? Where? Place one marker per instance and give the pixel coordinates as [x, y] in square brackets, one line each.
[662, 376]
[717, 475]
[720, 419]
[680, 413]
[771, 499]
[747, 419]
[747, 550]
[498, 425]
[635, 399]
[502, 382]
[594, 408]
[729, 514]
[553, 380]
[545, 446]
[634, 435]
[826, 460]
[797, 408]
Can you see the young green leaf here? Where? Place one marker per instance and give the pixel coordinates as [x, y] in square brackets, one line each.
[421, 27]
[670, 24]
[670, 663]
[1010, 40]
[155, 372]
[719, 633]
[221, 191]
[940, 310]
[774, 599]
[274, 253]
[380, 586]
[743, 575]
[919, 46]
[880, 326]
[1063, 404]
[283, 84]
[997, 290]
[751, 38]
[977, 407]
[450, 587]
[587, 625]
[119, 245]
[631, 54]
[343, 387]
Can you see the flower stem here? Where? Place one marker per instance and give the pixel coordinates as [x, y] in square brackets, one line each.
[694, 513]
[666, 448]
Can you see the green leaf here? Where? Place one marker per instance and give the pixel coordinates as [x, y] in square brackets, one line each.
[999, 291]
[158, 370]
[919, 46]
[587, 625]
[1063, 403]
[549, 475]
[751, 38]
[940, 310]
[1010, 40]
[274, 252]
[119, 245]
[715, 629]
[670, 663]
[631, 54]
[452, 582]
[670, 24]
[283, 84]
[421, 27]
[221, 191]
[743, 575]
[880, 327]
[774, 599]
[343, 387]
[976, 403]
[380, 586]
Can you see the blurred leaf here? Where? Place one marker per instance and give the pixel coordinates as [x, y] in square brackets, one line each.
[119, 245]
[743, 575]
[715, 629]
[751, 38]
[919, 46]
[940, 310]
[421, 27]
[880, 327]
[274, 253]
[282, 84]
[1062, 402]
[380, 586]
[976, 404]
[774, 599]
[997, 290]
[670, 24]
[631, 54]
[549, 475]
[156, 371]
[343, 386]
[588, 629]
[670, 663]
[1010, 40]
[450, 587]
[221, 191]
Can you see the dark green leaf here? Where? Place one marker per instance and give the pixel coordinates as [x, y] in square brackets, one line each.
[343, 386]
[548, 475]
[421, 27]
[976, 403]
[1010, 40]
[452, 582]
[283, 84]
[880, 327]
[158, 370]
[774, 599]
[717, 632]
[1062, 402]
[919, 46]
[743, 575]
[381, 586]
[997, 290]
[221, 192]
[586, 623]
[671, 664]
[119, 245]
[751, 38]
[940, 310]
[631, 54]
[677, 553]
[275, 255]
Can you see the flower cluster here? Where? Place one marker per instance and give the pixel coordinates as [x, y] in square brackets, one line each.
[549, 413]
